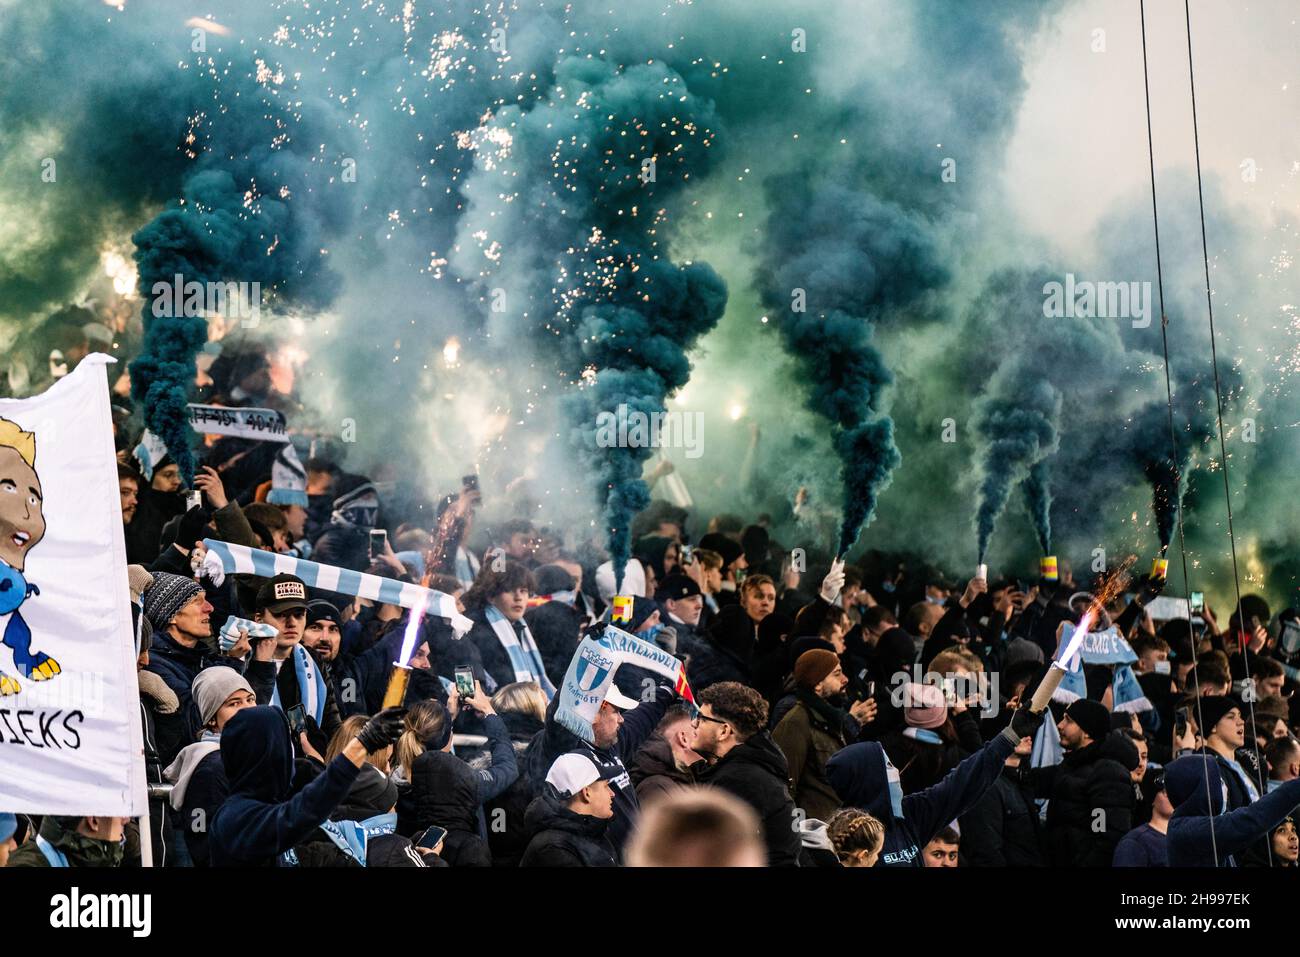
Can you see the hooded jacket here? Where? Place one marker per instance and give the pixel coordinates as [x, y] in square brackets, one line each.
[564, 838]
[259, 820]
[1002, 829]
[756, 772]
[200, 787]
[861, 776]
[1201, 833]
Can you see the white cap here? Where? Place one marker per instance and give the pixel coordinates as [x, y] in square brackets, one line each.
[618, 699]
[571, 773]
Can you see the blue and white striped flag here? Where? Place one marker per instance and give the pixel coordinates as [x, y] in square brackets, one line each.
[242, 560]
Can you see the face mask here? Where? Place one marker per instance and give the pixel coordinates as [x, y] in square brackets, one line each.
[895, 788]
[930, 600]
[888, 587]
[649, 633]
[1162, 668]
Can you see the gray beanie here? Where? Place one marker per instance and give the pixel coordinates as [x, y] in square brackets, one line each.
[167, 596]
[213, 686]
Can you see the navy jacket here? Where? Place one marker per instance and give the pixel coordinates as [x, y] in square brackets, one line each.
[259, 820]
[1200, 827]
[638, 724]
[859, 775]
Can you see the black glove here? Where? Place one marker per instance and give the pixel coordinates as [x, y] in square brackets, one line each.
[1151, 588]
[383, 729]
[1025, 723]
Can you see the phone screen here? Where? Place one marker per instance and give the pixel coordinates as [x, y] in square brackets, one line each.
[465, 682]
[297, 719]
[1198, 601]
[378, 539]
[431, 837]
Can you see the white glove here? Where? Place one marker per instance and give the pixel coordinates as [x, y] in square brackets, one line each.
[833, 582]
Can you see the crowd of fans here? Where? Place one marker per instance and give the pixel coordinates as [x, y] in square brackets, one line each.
[857, 716]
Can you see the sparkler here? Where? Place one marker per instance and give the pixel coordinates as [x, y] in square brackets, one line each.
[397, 681]
[1111, 587]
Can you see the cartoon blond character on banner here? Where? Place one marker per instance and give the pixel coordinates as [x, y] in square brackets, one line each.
[22, 525]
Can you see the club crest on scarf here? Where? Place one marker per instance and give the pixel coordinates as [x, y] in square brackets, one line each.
[22, 526]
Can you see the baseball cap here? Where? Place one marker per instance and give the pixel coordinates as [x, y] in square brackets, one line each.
[571, 773]
[282, 593]
[619, 700]
[675, 587]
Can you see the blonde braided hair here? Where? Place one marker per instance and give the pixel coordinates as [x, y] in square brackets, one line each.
[852, 830]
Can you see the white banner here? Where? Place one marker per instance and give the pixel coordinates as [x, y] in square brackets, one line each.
[70, 737]
[263, 425]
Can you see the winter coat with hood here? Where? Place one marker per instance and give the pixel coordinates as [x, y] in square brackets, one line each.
[638, 724]
[260, 820]
[564, 838]
[1089, 779]
[447, 792]
[863, 777]
[1201, 833]
[756, 772]
[655, 772]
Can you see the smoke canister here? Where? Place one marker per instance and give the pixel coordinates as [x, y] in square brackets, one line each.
[1160, 568]
[1047, 567]
[622, 611]
[981, 571]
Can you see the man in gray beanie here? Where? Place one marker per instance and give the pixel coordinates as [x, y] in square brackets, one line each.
[178, 610]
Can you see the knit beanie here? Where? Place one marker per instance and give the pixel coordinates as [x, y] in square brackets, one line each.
[924, 706]
[1211, 709]
[813, 666]
[1091, 716]
[213, 686]
[169, 594]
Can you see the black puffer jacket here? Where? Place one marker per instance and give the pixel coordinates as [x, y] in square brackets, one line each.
[562, 838]
[1091, 802]
[1002, 829]
[444, 791]
[655, 772]
[507, 833]
[756, 772]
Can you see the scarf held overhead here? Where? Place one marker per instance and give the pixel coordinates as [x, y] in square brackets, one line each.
[591, 673]
[224, 558]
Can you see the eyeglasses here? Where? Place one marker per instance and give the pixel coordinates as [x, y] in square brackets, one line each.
[701, 716]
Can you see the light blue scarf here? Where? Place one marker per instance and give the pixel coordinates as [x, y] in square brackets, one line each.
[311, 685]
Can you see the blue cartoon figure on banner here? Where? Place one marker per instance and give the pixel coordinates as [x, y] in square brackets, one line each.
[22, 526]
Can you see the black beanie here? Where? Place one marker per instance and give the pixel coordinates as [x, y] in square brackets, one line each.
[1211, 709]
[1091, 716]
